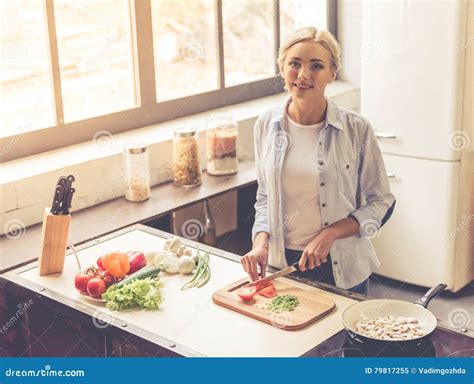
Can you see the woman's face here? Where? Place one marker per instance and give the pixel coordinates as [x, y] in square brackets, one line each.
[307, 70]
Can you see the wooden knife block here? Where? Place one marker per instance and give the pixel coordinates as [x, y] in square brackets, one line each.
[53, 243]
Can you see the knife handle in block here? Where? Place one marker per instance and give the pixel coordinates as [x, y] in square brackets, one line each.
[53, 243]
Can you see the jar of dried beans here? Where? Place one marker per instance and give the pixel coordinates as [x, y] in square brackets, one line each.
[221, 145]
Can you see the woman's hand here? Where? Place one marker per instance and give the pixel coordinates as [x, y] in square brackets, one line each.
[317, 251]
[258, 255]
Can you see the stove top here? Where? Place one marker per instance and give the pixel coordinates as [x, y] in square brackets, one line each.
[441, 343]
[354, 348]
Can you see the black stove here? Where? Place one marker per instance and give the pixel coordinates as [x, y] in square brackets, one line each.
[357, 348]
[441, 343]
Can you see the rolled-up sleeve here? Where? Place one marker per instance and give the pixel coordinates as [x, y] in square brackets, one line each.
[374, 186]
[261, 206]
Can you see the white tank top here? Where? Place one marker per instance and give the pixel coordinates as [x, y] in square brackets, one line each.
[300, 186]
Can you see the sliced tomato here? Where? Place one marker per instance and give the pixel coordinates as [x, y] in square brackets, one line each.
[263, 284]
[269, 291]
[246, 293]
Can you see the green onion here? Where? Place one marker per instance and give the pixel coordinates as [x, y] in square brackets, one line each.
[283, 303]
[202, 274]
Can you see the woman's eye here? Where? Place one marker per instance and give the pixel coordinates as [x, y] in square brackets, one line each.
[294, 64]
[317, 66]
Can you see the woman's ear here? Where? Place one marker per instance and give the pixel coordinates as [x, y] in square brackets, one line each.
[333, 76]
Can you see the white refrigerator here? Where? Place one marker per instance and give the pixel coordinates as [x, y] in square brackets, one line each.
[417, 91]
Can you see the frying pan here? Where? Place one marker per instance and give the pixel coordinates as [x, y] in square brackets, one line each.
[385, 307]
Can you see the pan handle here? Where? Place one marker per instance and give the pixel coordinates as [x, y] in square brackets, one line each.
[433, 292]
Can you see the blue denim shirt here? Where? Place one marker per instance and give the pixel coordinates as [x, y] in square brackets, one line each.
[353, 182]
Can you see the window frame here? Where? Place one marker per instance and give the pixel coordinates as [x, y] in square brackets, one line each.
[148, 111]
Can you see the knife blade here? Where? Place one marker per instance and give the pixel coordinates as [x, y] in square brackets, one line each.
[282, 272]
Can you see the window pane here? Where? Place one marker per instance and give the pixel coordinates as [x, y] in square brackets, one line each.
[248, 40]
[296, 14]
[94, 56]
[184, 43]
[25, 85]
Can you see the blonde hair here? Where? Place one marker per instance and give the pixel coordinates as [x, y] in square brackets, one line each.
[311, 34]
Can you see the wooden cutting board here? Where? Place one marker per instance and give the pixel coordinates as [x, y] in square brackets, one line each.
[311, 308]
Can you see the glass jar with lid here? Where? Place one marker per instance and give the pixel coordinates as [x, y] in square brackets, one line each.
[186, 164]
[221, 145]
[136, 172]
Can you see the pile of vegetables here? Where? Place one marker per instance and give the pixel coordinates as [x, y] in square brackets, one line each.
[111, 268]
[130, 279]
[175, 257]
[283, 303]
[141, 289]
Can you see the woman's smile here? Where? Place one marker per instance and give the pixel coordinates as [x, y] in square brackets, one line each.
[302, 86]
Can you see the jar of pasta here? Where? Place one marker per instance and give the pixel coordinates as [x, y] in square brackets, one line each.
[186, 164]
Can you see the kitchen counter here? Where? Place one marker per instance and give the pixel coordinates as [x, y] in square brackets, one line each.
[190, 324]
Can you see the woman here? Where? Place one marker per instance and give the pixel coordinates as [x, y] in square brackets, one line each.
[322, 185]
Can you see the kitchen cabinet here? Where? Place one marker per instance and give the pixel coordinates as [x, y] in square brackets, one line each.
[417, 245]
[126, 345]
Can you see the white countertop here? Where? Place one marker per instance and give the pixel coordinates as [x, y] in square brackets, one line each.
[190, 318]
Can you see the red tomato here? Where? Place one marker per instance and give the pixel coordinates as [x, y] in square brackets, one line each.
[263, 284]
[82, 278]
[100, 264]
[96, 287]
[108, 279]
[269, 291]
[246, 293]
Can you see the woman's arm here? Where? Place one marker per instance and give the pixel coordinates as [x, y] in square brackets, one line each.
[317, 251]
[255, 261]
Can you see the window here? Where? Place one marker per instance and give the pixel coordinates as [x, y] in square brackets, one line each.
[73, 68]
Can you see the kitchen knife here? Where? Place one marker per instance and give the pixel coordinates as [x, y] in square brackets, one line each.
[58, 195]
[285, 271]
[67, 201]
[67, 195]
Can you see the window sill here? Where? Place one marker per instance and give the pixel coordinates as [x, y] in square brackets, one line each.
[27, 184]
